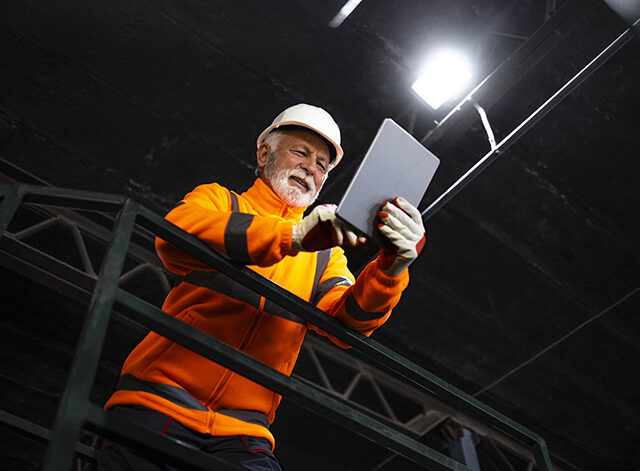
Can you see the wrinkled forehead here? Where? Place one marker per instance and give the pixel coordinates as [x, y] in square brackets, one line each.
[313, 140]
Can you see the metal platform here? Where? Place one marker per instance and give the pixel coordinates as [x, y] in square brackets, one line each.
[386, 371]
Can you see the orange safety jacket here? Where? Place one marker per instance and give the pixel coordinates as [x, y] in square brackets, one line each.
[253, 228]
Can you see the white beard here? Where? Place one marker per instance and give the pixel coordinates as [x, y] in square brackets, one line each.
[292, 195]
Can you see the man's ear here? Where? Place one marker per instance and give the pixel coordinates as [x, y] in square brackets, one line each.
[262, 154]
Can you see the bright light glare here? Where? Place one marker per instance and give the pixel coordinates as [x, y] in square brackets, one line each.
[443, 76]
[345, 11]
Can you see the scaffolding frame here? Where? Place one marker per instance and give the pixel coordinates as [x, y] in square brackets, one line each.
[76, 411]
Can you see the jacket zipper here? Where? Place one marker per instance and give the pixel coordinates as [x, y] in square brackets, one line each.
[248, 335]
[256, 317]
[227, 374]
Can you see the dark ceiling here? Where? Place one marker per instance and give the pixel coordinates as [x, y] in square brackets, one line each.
[527, 293]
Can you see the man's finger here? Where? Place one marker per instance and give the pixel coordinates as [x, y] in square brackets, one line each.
[390, 233]
[351, 238]
[401, 216]
[408, 208]
[399, 221]
[395, 225]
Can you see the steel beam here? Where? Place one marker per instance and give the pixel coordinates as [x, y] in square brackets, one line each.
[464, 450]
[541, 453]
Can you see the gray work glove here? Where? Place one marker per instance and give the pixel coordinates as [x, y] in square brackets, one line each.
[321, 230]
[401, 223]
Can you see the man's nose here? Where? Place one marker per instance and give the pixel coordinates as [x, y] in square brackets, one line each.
[310, 165]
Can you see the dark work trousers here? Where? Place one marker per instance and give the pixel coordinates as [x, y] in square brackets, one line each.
[253, 453]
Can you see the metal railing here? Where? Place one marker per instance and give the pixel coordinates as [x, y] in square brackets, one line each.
[76, 411]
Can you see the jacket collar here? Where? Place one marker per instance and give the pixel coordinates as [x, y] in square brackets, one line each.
[266, 202]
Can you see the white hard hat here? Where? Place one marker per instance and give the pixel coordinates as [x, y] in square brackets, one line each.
[311, 117]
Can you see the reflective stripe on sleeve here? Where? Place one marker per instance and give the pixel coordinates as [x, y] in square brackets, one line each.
[329, 284]
[322, 261]
[235, 237]
[234, 202]
[354, 310]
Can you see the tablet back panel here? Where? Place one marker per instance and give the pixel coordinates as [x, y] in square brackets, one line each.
[395, 165]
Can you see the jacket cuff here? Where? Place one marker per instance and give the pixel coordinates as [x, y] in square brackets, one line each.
[386, 280]
[286, 237]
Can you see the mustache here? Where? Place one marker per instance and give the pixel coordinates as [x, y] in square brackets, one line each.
[302, 175]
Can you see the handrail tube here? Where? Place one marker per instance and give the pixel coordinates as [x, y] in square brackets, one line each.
[75, 199]
[42, 434]
[172, 450]
[541, 455]
[294, 389]
[372, 349]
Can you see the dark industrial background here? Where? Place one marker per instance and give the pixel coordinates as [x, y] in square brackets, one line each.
[526, 295]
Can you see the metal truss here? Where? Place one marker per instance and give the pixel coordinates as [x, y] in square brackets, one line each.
[382, 423]
[389, 392]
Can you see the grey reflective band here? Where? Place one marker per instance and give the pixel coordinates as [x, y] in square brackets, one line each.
[322, 260]
[328, 285]
[354, 310]
[172, 393]
[235, 237]
[182, 398]
[250, 416]
[234, 202]
[222, 284]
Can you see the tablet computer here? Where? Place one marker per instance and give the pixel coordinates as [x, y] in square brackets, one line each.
[396, 164]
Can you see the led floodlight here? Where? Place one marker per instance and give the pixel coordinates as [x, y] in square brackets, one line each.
[443, 76]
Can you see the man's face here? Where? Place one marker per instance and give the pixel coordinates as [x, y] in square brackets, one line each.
[297, 168]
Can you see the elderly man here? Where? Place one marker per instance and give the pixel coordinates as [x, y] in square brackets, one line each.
[181, 394]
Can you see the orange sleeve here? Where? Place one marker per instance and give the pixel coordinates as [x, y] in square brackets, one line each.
[364, 305]
[246, 238]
